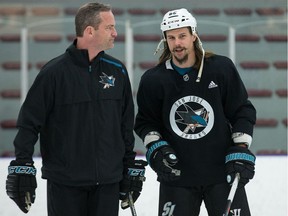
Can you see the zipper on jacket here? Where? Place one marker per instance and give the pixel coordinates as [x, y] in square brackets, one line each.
[90, 69]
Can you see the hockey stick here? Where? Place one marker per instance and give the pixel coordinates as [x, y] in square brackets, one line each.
[131, 204]
[231, 194]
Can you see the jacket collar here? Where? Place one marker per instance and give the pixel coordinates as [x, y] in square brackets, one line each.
[80, 56]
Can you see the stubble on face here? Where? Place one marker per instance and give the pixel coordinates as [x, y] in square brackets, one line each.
[107, 30]
[180, 59]
[181, 45]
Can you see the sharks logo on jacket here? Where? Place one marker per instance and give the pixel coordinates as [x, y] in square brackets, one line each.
[191, 117]
[107, 80]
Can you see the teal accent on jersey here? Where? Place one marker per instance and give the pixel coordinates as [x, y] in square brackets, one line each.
[181, 71]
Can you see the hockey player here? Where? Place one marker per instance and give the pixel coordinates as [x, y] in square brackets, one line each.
[196, 122]
[81, 106]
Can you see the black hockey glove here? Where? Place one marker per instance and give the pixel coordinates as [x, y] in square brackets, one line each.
[132, 182]
[240, 160]
[21, 183]
[162, 159]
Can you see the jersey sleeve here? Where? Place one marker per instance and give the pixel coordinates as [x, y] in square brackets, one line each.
[149, 104]
[238, 108]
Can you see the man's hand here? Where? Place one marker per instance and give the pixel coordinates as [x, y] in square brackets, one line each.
[21, 183]
[162, 159]
[240, 160]
[132, 182]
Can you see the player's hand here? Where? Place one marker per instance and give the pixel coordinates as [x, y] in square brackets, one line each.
[132, 182]
[162, 159]
[240, 160]
[21, 183]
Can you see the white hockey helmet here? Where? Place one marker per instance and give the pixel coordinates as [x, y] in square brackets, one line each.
[177, 19]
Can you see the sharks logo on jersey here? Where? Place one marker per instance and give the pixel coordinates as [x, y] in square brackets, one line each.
[107, 80]
[191, 117]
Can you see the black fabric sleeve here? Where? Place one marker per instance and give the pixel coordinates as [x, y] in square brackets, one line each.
[128, 122]
[239, 110]
[149, 101]
[33, 114]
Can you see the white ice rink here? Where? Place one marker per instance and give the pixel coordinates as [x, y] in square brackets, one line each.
[267, 192]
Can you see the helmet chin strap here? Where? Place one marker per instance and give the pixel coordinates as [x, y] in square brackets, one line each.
[199, 45]
[158, 46]
[200, 69]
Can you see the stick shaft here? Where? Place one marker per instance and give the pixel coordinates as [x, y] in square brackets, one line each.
[131, 204]
[231, 194]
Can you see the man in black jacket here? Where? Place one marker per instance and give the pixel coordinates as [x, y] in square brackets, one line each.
[196, 122]
[81, 106]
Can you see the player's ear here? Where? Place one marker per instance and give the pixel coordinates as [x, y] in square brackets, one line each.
[194, 37]
[89, 30]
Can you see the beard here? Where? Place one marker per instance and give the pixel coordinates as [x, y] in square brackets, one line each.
[181, 60]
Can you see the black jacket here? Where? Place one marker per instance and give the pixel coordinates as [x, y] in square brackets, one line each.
[84, 114]
[195, 118]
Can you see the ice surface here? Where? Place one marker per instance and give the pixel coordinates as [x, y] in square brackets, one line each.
[267, 192]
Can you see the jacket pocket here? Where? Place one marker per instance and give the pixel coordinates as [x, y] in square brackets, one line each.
[74, 96]
[111, 93]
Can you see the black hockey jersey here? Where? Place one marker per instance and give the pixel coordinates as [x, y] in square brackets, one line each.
[84, 114]
[195, 118]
